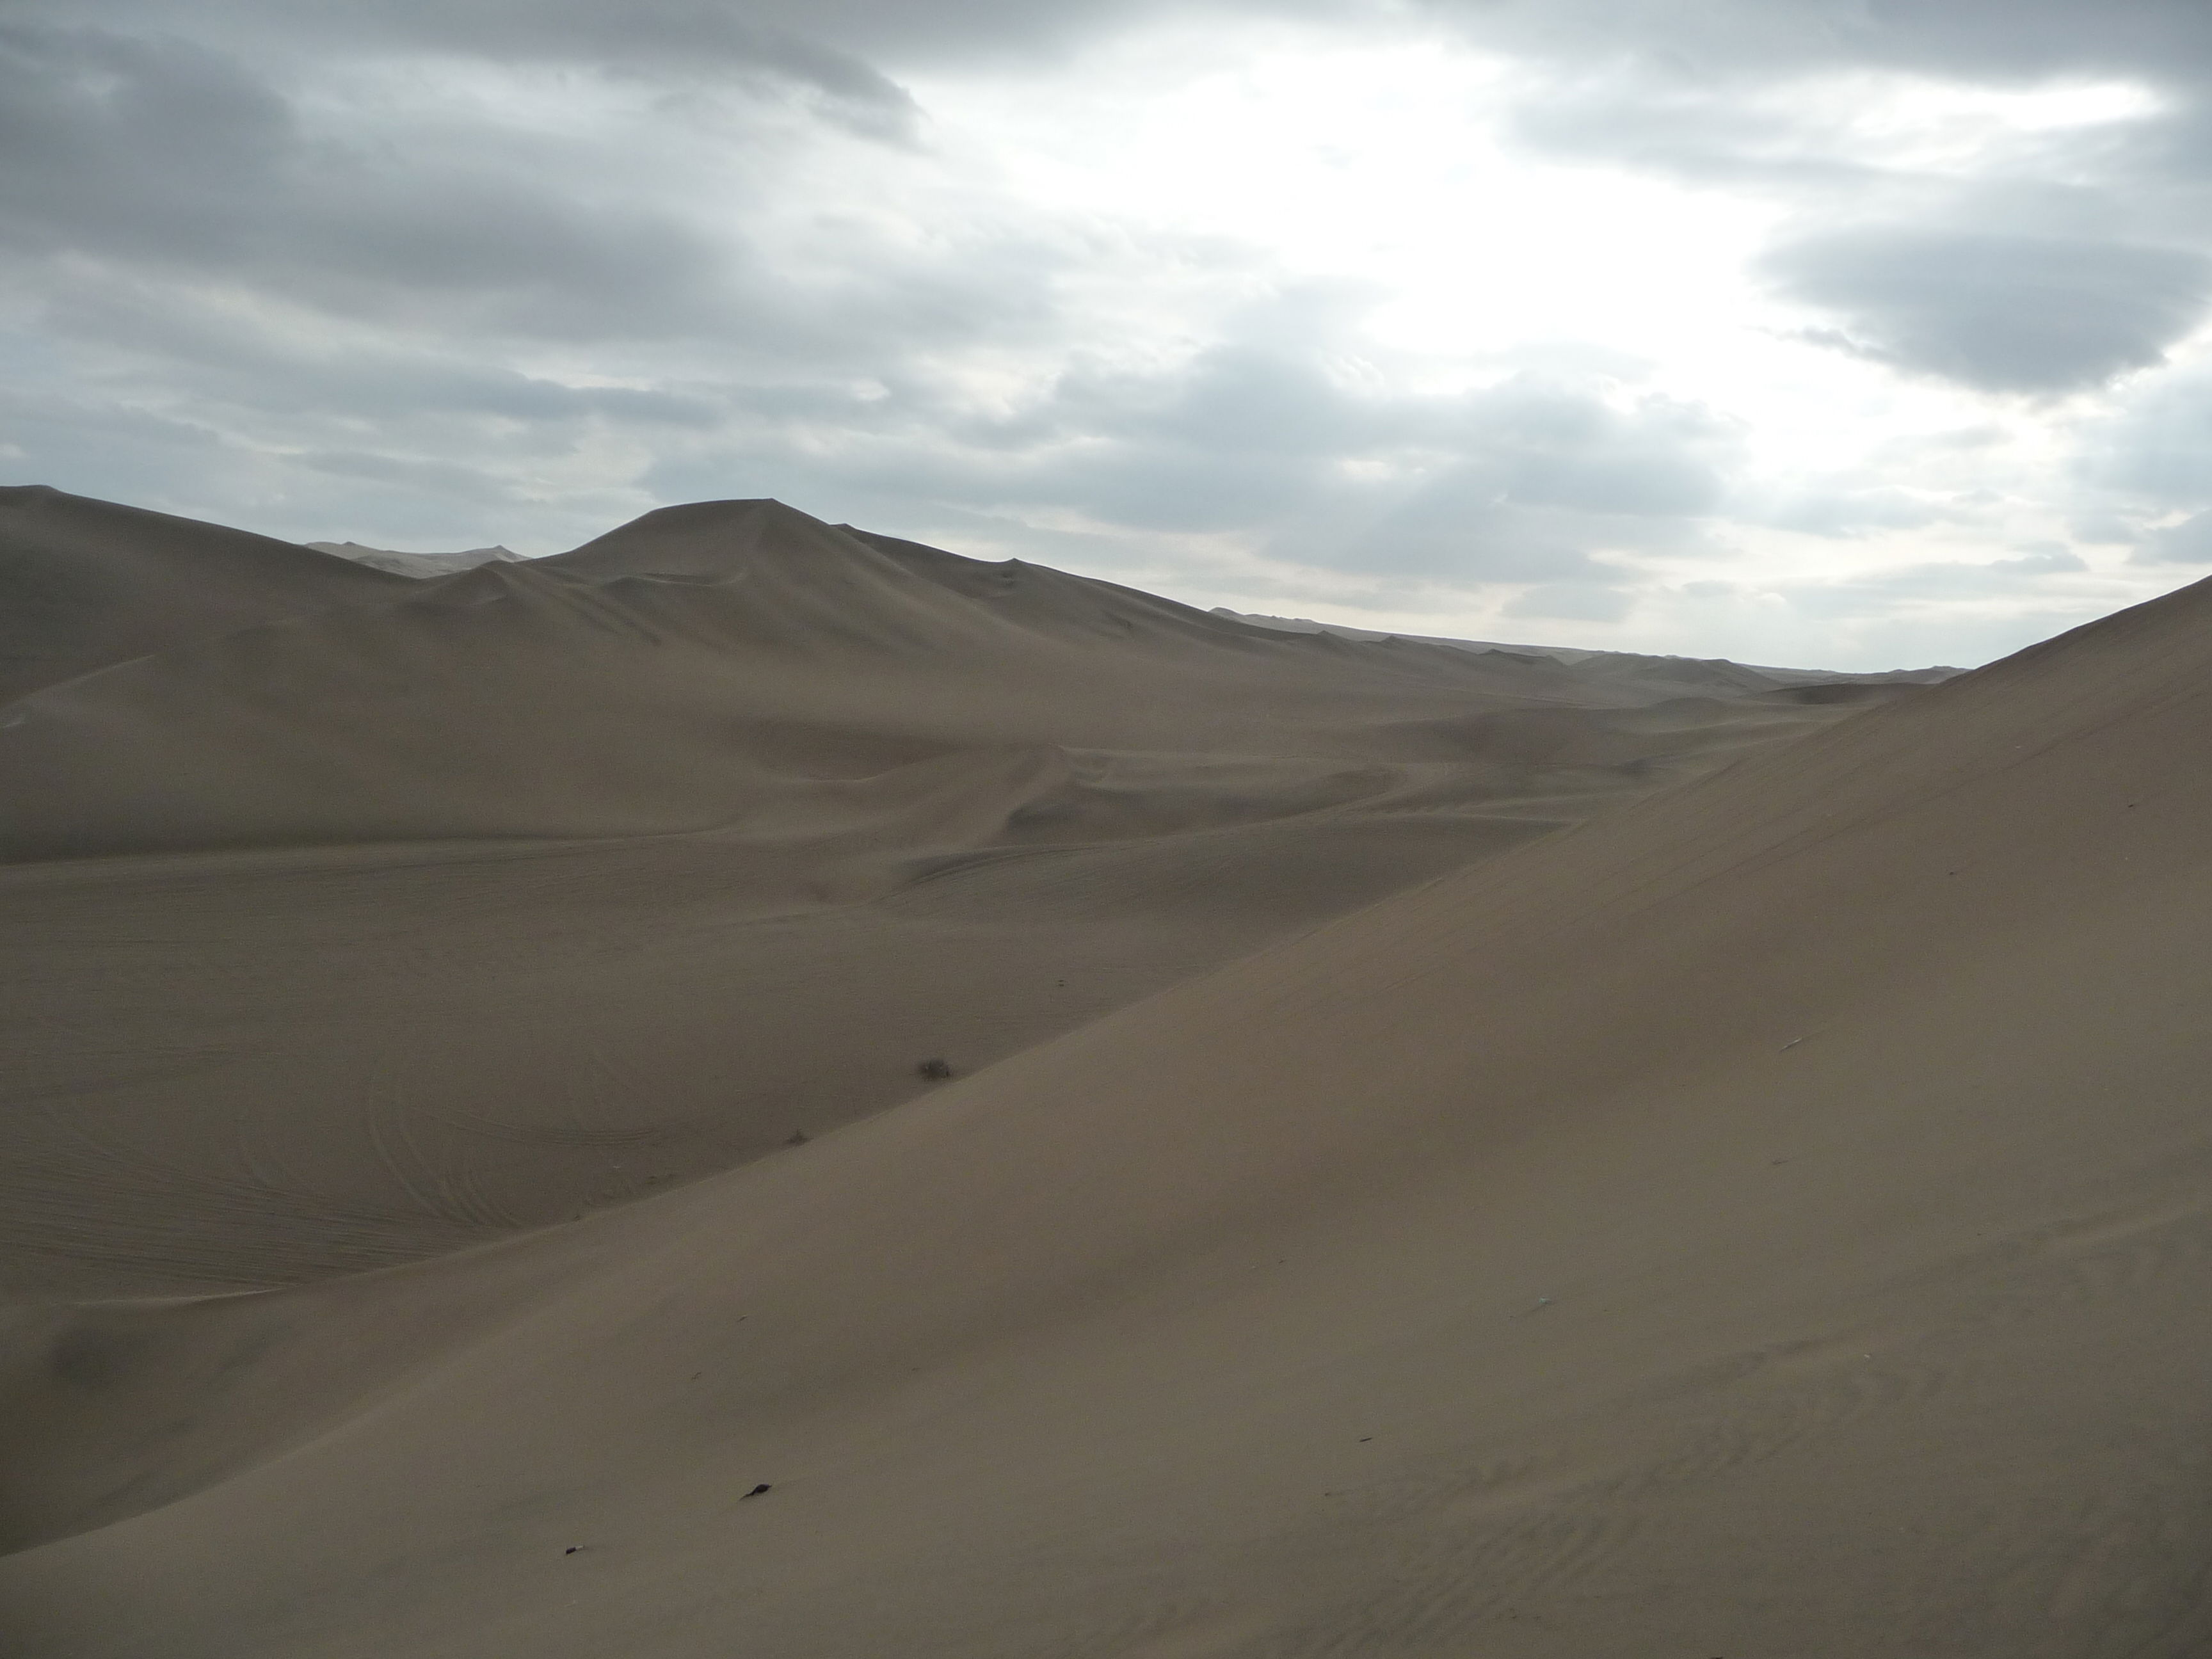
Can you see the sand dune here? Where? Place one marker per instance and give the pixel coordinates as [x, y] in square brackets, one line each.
[422, 566]
[549, 886]
[86, 584]
[1767, 1218]
[734, 665]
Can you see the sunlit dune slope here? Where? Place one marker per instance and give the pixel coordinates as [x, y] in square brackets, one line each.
[1771, 1218]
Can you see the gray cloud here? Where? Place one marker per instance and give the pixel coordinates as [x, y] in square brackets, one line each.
[2104, 529]
[1571, 602]
[1699, 130]
[1843, 511]
[662, 35]
[684, 41]
[2050, 561]
[832, 48]
[1539, 482]
[2188, 542]
[154, 182]
[160, 153]
[1522, 481]
[1951, 581]
[1532, 480]
[1998, 313]
[2151, 453]
[2051, 261]
[1985, 39]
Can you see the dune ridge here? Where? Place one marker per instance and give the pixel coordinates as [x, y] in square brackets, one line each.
[773, 659]
[420, 565]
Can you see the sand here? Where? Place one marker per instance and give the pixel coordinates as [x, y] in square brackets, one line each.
[1765, 1216]
[88, 584]
[545, 887]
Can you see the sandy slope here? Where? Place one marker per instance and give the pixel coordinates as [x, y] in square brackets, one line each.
[1770, 1219]
[85, 584]
[240, 1071]
[732, 665]
[897, 805]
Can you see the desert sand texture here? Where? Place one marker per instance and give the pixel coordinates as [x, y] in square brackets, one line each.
[547, 886]
[1768, 1217]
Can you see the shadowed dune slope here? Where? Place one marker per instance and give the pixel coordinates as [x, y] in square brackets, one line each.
[85, 584]
[1771, 1218]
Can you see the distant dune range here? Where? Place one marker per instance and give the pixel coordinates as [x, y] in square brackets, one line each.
[545, 885]
[738, 667]
[1770, 1216]
[419, 565]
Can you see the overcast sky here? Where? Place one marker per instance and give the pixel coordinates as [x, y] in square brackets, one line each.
[1852, 333]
